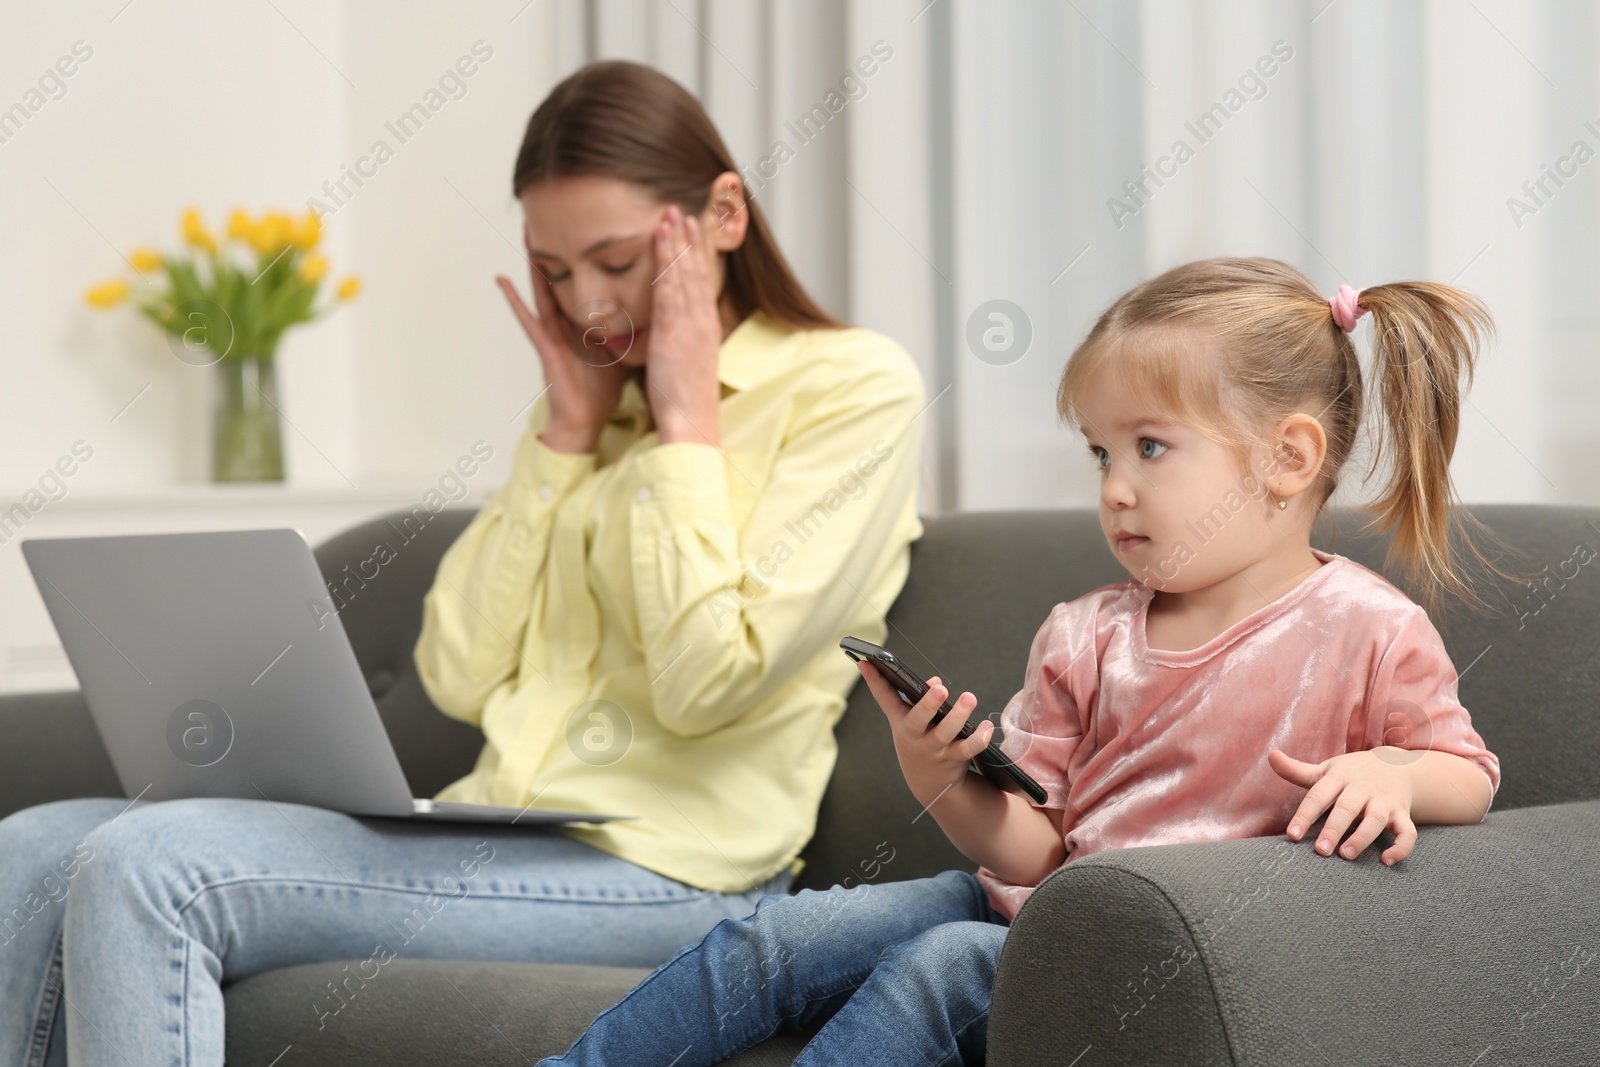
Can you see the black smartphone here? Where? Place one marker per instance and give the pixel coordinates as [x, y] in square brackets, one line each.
[991, 762]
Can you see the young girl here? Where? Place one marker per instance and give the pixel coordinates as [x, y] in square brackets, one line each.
[1240, 684]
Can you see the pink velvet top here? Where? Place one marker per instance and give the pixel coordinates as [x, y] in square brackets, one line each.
[1143, 746]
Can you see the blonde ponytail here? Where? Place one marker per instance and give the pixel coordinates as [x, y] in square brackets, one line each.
[1425, 340]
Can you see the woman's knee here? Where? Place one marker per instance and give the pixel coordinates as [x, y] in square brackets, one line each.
[52, 839]
[43, 851]
[53, 827]
[158, 852]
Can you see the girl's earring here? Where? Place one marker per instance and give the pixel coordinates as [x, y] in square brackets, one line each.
[1282, 504]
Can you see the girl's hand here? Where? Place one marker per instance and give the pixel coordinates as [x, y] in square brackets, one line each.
[1356, 783]
[933, 761]
[584, 388]
[685, 335]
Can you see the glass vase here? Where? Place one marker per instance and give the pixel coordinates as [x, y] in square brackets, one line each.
[248, 445]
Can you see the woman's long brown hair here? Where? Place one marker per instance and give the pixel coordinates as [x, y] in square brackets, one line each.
[631, 122]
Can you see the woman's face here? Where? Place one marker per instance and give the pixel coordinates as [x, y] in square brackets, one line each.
[591, 237]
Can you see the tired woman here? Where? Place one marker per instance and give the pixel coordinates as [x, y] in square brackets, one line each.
[716, 484]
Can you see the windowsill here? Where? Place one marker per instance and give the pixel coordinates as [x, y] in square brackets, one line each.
[210, 495]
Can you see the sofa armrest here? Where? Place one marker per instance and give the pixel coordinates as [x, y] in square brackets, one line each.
[1263, 952]
[50, 750]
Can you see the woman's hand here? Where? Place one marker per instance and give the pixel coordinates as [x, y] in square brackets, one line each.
[685, 335]
[582, 394]
[1356, 783]
[933, 761]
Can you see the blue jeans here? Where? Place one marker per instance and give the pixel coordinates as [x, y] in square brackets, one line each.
[895, 973]
[122, 922]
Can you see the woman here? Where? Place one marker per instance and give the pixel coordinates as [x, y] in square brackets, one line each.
[718, 483]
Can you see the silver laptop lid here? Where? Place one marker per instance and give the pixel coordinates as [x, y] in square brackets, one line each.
[214, 667]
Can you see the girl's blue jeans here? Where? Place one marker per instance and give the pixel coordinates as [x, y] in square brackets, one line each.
[118, 924]
[894, 973]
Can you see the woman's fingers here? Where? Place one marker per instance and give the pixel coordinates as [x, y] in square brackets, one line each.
[694, 267]
[666, 298]
[678, 267]
[665, 248]
[695, 286]
[551, 319]
[530, 325]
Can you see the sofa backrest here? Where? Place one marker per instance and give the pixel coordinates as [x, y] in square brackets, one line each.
[980, 586]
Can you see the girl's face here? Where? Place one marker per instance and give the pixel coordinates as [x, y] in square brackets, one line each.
[1177, 508]
[591, 237]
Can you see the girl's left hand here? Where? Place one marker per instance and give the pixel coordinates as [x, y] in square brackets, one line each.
[685, 335]
[1355, 783]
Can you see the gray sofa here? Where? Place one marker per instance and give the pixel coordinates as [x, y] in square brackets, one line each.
[1472, 952]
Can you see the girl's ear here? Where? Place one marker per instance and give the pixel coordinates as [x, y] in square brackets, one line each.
[1302, 448]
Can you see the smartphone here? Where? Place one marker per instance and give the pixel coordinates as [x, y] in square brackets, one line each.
[991, 762]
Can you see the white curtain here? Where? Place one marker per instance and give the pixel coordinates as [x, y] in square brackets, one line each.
[1001, 154]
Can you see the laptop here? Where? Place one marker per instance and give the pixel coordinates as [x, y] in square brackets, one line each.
[214, 666]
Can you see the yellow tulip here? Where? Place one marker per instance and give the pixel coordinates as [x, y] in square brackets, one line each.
[195, 232]
[145, 259]
[314, 268]
[273, 232]
[283, 225]
[239, 225]
[309, 232]
[349, 287]
[107, 294]
[259, 234]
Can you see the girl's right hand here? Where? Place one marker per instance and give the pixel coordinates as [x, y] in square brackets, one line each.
[582, 395]
[933, 761]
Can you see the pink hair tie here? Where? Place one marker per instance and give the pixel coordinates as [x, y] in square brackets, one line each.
[1345, 309]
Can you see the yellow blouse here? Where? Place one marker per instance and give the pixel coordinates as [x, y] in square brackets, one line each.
[653, 630]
